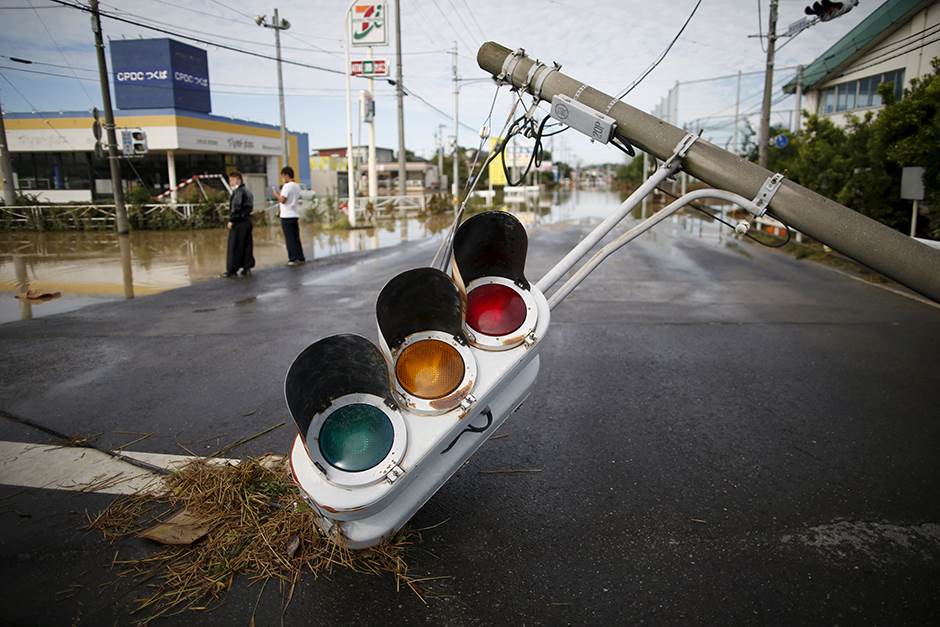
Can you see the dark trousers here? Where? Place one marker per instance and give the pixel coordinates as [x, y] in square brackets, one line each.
[291, 228]
[240, 248]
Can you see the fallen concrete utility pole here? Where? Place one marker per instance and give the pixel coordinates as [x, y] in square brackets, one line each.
[889, 252]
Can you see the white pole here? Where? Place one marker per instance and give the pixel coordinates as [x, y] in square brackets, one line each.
[799, 100]
[280, 88]
[914, 220]
[456, 182]
[737, 116]
[350, 173]
[171, 174]
[674, 110]
[373, 175]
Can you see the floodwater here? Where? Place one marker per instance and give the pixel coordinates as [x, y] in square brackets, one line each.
[87, 267]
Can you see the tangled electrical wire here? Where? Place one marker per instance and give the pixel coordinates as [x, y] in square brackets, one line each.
[711, 215]
[526, 126]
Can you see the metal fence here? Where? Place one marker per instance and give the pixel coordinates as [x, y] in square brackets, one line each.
[88, 215]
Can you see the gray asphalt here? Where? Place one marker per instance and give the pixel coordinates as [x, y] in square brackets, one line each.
[726, 435]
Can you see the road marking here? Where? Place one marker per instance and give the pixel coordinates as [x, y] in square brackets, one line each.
[83, 469]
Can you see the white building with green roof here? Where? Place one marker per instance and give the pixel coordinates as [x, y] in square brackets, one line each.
[894, 44]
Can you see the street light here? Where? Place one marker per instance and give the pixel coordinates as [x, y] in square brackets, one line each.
[278, 25]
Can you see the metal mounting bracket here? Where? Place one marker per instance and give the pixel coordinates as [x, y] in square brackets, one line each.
[766, 193]
[509, 66]
[540, 80]
[682, 148]
[467, 402]
[394, 473]
[532, 72]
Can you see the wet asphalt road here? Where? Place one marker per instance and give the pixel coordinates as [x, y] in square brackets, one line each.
[726, 435]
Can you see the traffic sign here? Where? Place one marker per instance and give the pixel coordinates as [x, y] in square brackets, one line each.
[368, 24]
[781, 141]
[127, 142]
[369, 67]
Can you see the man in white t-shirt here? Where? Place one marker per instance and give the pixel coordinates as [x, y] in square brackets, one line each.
[289, 204]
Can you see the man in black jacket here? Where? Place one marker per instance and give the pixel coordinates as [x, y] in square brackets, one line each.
[240, 246]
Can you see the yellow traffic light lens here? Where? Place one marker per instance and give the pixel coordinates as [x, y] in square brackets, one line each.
[429, 369]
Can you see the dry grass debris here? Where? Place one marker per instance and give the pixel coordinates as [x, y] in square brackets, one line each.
[258, 527]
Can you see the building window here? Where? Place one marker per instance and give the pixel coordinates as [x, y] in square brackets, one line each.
[859, 94]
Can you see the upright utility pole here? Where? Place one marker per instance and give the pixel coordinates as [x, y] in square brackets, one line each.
[278, 25]
[400, 93]
[456, 184]
[737, 116]
[763, 137]
[6, 167]
[674, 104]
[440, 153]
[373, 173]
[798, 124]
[117, 188]
[350, 165]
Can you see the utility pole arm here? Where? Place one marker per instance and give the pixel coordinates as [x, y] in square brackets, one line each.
[899, 257]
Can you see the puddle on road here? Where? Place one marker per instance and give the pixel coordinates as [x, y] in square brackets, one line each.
[88, 267]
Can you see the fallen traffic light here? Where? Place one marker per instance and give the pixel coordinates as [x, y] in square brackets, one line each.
[338, 394]
[420, 319]
[381, 429]
[489, 255]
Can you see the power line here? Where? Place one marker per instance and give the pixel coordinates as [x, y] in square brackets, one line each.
[661, 56]
[456, 32]
[327, 92]
[727, 76]
[427, 32]
[198, 39]
[64, 58]
[475, 22]
[460, 17]
[408, 92]
[233, 9]
[150, 20]
[33, 107]
[880, 60]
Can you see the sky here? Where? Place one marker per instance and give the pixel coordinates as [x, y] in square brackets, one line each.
[605, 43]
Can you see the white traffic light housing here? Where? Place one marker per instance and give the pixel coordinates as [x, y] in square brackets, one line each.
[489, 262]
[133, 142]
[139, 140]
[420, 320]
[337, 392]
[381, 429]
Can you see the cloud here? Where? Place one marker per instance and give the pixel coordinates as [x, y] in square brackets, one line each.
[605, 43]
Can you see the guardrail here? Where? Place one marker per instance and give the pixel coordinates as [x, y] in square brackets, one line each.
[387, 204]
[85, 215]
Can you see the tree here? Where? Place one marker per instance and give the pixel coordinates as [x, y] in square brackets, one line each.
[860, 166]
[630, 174]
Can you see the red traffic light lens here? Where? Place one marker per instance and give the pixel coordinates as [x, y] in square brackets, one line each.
[495, 310]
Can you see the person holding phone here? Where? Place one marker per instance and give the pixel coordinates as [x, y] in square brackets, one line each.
[288, 199]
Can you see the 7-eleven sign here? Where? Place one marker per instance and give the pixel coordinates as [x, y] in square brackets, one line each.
[369, 67]
[368, 24]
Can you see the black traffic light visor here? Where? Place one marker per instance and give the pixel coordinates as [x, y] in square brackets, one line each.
[493, 243]
[329, 369]
[423, 299]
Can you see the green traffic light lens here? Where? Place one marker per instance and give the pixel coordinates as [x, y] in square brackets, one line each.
[356, 437]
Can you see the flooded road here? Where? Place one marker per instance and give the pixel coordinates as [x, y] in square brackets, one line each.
[85, 267]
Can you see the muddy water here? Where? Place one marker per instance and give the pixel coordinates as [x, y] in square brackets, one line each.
[88, 267]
